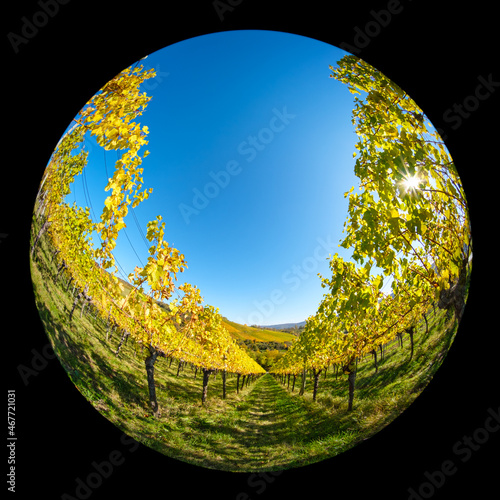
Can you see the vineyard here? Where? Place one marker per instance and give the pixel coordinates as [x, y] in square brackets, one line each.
[265, 424]
[361, 359]
[185, 328]
[409, 218]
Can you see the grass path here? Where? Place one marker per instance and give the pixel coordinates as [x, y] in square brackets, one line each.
[274, 429]
[261, 429]
[264, 426]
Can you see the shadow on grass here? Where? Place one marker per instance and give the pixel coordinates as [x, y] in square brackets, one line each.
[269, 420]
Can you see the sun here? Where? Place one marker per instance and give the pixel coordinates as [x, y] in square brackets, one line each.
[412, 183]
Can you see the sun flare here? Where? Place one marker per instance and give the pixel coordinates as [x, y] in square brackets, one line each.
[412, 183]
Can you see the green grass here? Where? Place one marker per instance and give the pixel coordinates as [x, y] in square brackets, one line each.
[264, 427]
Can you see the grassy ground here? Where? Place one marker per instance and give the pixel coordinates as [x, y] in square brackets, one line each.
[264, 427]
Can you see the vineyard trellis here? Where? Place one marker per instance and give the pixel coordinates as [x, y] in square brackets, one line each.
[408, 218]
[166, 321]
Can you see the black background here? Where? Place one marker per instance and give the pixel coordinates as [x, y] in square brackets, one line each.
[435, 51]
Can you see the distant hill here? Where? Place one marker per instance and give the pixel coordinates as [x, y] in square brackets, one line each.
[258, 334]
[285, 326]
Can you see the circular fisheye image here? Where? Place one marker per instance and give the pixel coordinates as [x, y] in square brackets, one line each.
[250, 251]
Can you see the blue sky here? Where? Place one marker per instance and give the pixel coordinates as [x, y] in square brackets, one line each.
[251, 150]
